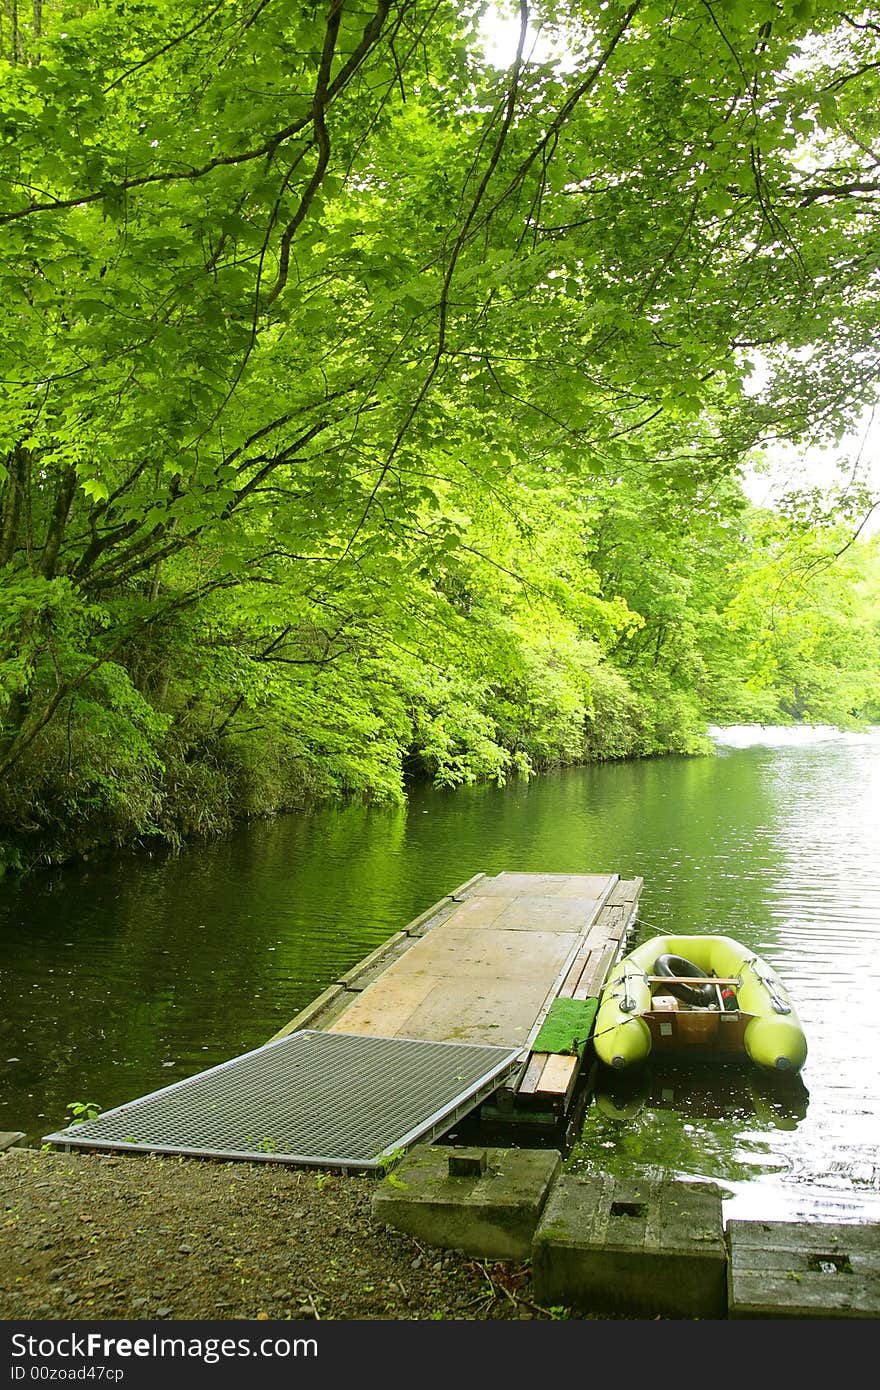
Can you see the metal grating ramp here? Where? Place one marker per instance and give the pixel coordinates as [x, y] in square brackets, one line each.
[327, 1099]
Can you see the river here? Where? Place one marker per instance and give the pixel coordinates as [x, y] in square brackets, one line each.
[121, 976]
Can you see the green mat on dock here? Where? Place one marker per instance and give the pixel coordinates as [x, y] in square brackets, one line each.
[567, 1026]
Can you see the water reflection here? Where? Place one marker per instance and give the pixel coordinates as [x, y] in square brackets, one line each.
[688, 1121]
[706, 1091]
[736, 1129]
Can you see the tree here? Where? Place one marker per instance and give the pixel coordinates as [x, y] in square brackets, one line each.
[287, 296]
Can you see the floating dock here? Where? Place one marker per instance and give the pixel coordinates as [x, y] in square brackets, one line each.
[451, 1011]
[488, 964]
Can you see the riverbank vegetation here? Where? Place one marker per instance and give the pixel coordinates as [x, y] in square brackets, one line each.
[371, 408]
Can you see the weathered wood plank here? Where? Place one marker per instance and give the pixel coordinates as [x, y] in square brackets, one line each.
[529, 912]
[594, 978]
[498, 1011]
[513, 883]
[589, 885]
[532, 1074]
[626, 892]
[575, 972]
[385, 1008]
[559, 1075]
[611, 923]
[479, 912]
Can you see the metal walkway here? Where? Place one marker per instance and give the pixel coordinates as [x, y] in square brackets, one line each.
[311, 1098]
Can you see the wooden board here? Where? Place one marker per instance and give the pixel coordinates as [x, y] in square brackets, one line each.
[489, 970]
[595, 976]
[385, 1007]
[532, 1074]
[559, 1075]
[497, 1011]
[511, 884]
[477, 955]
[576, 970]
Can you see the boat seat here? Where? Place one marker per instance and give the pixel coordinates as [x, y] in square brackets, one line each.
[689, 980]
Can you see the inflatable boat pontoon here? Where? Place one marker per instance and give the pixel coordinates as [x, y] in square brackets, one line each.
[680, 995]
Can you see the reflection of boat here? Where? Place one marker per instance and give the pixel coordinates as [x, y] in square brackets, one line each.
[777, 1101]
[697, 996]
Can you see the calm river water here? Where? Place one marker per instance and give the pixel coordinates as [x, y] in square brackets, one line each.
[121, 977]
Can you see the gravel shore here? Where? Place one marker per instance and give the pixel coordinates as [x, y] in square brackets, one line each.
[99, 1236]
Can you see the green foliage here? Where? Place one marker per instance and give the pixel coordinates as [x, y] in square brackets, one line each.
[81, 1110]
[369, 411]
[806, 611]
[388, 1162]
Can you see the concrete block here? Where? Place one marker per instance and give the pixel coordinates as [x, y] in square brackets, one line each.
[787, 1269]
[647, 1247]
[492, 1213]
[467, 1163]
[9, 1138]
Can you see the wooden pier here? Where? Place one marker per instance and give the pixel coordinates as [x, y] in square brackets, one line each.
[488, 994]
[487, 964]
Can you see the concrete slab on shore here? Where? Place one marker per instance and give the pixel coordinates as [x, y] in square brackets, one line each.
[485, 1201]
[792, 1269]
[653, 1246]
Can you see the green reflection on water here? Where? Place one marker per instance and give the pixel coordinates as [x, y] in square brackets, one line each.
[689, 1119]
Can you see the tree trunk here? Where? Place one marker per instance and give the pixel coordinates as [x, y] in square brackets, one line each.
[55, 533]
[12, 496]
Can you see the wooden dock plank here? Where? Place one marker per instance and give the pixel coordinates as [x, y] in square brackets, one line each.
[531, 913]
[575, 972]
[513, 884]
[594, 977]
[609, 925]
[484, 964]
[532, 1074]
[479, 912]
[384, 1008]
[626, 892]
[499, 1012]
[486, 953]
[559, 1075]
[588, 885]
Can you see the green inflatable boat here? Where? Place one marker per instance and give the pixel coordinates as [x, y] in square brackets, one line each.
[681, 996]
